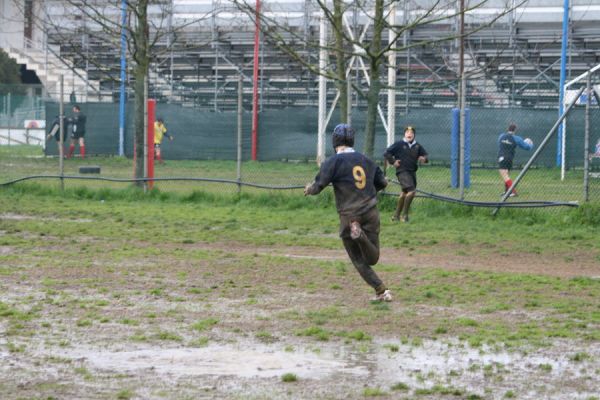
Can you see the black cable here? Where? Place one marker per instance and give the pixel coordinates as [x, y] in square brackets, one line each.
[513, 204]
[99, 178]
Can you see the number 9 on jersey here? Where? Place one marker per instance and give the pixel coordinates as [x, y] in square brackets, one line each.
[360, 178]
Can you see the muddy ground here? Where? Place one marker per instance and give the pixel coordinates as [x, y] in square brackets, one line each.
[234, 321]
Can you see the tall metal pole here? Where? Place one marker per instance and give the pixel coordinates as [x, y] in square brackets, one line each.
[10, 114]
[123, 75]
[217, 76]
[463, 88]
[170, 44]
[322, 89]
[255, 83]
[61, 121]
[586, 141]
[563, 74]
[239, 131]
[405, 41]
[349, 91]
[391, 133]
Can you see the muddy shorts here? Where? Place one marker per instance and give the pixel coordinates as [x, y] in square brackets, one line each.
[504, 163]
[407, 180]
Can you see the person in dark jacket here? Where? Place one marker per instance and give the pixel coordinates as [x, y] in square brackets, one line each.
[405, 155]
[507, 144]
[77, 122]
[356, 180]
[55, 132]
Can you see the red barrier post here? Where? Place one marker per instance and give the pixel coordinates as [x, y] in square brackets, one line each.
[151, 119]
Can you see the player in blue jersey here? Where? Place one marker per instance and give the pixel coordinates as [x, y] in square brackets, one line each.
[405, 155]
[507, 144]
[356, 180]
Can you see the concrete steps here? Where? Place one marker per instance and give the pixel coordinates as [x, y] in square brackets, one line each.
[48, 67]
[478, 82]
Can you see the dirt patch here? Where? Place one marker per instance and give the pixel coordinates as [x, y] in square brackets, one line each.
[6, 250]
[449, 257]
[230, 322]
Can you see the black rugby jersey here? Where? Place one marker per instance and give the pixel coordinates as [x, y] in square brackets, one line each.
[355, 179]
[78, 120]
[408, 155]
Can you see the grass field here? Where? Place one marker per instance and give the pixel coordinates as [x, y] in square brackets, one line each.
[188, 294]
[538, 185]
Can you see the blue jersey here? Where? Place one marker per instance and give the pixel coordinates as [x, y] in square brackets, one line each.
[355, 179]
[507, 143]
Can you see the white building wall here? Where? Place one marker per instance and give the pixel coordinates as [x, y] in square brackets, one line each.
[11, 23]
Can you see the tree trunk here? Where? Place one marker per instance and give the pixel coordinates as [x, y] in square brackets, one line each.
[372, 103]
[140, 76]
[375, 59]
[142, 60]
[340, 58]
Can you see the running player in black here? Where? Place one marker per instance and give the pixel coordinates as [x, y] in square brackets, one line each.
[55, 132]
[77, 122]
[405, 155]
[356, 181]
[507, 143]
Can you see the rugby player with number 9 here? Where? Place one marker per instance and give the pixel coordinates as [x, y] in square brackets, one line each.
[356, 180]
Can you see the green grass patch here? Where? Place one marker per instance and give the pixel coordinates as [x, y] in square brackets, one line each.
[289, 377]
[205, 324]
[373, 392]
[316, 332]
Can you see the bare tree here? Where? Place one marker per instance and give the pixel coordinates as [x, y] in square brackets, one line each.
[347, 46]
[147, 26]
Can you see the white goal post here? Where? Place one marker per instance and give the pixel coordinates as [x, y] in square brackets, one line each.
[566, 100]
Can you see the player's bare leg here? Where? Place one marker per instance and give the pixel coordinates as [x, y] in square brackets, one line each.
[399, 206]
[507, 181]
[158, 155]
[82, 147]
[406, 207]
[71, 148]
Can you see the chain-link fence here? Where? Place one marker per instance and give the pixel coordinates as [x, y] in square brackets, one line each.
[205, 147]
[22, 114]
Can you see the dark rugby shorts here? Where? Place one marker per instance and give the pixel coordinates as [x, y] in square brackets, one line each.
[77, 135]
[407, 180]
[504, 163]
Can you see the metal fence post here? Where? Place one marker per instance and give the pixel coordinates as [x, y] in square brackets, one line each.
[9, 116]
[61, 150]
[586, 141]
[239, 131]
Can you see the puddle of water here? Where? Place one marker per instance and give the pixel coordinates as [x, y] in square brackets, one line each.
[6, 249]
[436, 357]
[438, 361]
[222, 360]
[432, 363]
